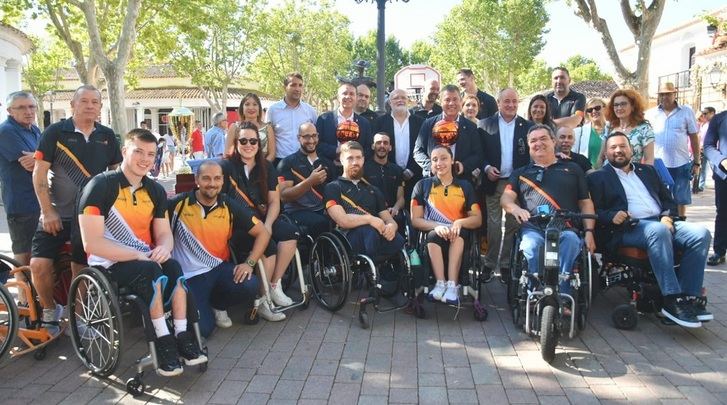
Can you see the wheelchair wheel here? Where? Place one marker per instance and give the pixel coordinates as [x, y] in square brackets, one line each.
[625, 317]
[8, 320]
[548, 333]
[95, 322]
[330, 272]
[513, 281]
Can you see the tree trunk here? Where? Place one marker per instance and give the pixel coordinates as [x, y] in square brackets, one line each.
[117, 94]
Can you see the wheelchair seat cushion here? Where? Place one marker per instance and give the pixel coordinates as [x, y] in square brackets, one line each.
[632, 253]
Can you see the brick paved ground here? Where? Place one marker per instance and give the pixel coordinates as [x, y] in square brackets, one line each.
[319, 357]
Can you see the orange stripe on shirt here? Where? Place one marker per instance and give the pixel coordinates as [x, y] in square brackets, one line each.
[38, 155]
[540, 191]
[301, 178]
[73, 157]
[330, 204]
[91, 210]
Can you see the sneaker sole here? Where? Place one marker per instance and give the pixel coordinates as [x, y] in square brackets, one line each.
[224, 325]
[705, 318]
[175, 372]
[193, 362]
[681, 322]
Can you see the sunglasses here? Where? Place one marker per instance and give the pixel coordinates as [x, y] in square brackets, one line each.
[592, 109]
[244, 141]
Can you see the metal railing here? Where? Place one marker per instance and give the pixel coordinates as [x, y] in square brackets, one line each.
[682, 80]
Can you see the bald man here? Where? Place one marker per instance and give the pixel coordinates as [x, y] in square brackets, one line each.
[363, 97]
[564, 139]
[428, 107]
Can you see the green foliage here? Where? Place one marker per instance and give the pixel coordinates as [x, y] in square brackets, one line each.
[533, 80]
[43, 69]
[396, 57]
[582, 69]
[497, 39]
[307, 37]
[420, 52]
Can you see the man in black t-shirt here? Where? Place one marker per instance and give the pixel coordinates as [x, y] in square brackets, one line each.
[550, 184]
[566, 105]
[488, 104]
[564, 140]
[387, 176]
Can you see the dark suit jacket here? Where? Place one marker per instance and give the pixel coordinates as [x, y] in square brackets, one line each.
[489, 131]
[385, 123]
[468, 149]
[326, 126]
[609, 197]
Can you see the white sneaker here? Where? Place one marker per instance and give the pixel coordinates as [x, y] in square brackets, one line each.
[222, 320]
[438, 292]
[451, 297]
[263, 309]
[278, 296]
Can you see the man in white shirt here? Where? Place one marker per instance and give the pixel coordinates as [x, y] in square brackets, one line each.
[288, 114]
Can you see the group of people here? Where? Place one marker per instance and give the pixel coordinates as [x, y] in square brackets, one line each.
[459, 149]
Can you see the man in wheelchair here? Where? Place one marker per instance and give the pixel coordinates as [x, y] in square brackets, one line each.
[124, 228]
[203, 221]
[302, 177]
[387, 176]
[359, 208]
[622, 190]
[547, 183]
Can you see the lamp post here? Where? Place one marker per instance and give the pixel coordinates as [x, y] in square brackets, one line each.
[380, 56]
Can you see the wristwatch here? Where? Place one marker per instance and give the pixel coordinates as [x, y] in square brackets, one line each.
[250, 262]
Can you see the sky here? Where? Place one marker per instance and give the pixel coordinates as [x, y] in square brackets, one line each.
[418, 19]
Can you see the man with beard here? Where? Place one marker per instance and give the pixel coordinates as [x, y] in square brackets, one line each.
[359, 208]
[363, 95]
[623, 190]
[287, 114]
[564, 142]
[343, 125]
[428, 107]
[302, 177]
[202, 224]
[387, 177]
[403, 128]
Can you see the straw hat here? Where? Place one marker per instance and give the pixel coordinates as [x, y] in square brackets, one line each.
[667, 87]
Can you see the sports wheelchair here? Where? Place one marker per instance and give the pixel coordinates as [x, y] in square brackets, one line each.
[332, 268]
[471, 276]
[536, 303]
[96, 306]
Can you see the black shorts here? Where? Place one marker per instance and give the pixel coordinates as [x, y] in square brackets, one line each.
[432, 237]
[48, 246]
[22, 228]
[140, 276]
[282, 231]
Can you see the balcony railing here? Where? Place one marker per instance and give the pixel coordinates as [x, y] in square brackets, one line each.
[682, 80]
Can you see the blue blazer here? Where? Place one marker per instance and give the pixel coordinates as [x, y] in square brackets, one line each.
[609, 197]
[327, 141]
[715, 144]
[468, 149]
[489, 131]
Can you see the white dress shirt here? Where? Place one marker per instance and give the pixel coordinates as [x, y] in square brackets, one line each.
[507, 136]
[401, 140]
[641, 203]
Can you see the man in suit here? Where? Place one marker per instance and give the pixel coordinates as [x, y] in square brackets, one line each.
[504, 146]
[403, 129]
[623, 190]
[715, 148]
[342, 125]
[464, 141]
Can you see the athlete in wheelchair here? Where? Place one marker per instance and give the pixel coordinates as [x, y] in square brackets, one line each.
[126, 234]
[445, 210]
[641, 240]
[365, 242]
[546, 197]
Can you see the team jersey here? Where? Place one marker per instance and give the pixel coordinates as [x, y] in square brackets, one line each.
[387, 178]
[244, 188]
[444, 204]
[201, 234]
[75, 160]
[296, 168]
[128, 214]
[358, 198]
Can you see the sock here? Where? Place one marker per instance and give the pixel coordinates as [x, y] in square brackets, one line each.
[160, 327]
[49, 315]
[180, 325]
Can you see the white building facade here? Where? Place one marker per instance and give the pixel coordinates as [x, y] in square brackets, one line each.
[13, 46]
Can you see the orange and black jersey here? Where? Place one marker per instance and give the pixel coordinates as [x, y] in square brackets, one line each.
[244, 187]
[444, 204]
[559, 186]
[74, 160]
[128, 213]
[296, 168]
[201, 233]
[358, 198]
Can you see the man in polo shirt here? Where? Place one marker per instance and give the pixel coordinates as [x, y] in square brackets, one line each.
[675, 130]
[566, 105]
[359, 208]
[202, 223]
[428, 107]
[363, 95]
[125, 229]
[387, 176]
[18, 140]
[343, 124]
[488, 105]
[564, 139]
[302, 177]
[69, 153]
[287, 114]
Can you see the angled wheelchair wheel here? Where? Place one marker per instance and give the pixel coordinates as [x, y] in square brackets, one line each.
[330, 272]
[8, 320]
[95, 322]
[513, 281]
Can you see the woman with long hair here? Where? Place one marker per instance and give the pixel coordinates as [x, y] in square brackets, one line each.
[251, 110]
[590, 136]
[625, 113]
[470, 107]
[539, 111]
[446, 209]
[252, 181]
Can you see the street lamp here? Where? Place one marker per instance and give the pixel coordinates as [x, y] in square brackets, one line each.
[380, 56]
[716, 77]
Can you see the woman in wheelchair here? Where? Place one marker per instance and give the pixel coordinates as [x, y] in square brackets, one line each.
[446, 209]
[252, 181]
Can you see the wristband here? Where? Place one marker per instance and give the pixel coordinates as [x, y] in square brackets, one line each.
[588, 230]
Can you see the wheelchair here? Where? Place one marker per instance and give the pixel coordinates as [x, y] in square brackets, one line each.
[535, 301]
[471, 275]
[333, 266]
[22, 320]
[96, 307]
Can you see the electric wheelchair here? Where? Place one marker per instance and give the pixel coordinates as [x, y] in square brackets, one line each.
[96, 306]
[535, 299]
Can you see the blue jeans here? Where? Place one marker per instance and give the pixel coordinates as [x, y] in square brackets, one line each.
[217, 289]
[532, 240]
[367, 240]
[692, 240]
[682, 190]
